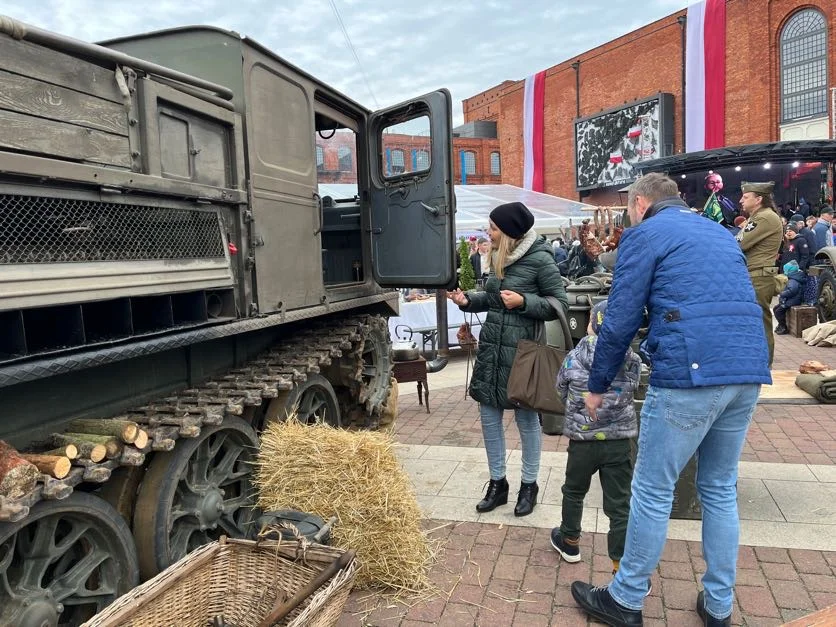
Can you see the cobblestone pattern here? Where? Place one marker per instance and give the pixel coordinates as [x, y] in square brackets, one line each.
[500, 575]
[802, 434]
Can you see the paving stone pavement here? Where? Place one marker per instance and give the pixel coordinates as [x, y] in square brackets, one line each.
[799, 434]
[498, 570]
[504, 575]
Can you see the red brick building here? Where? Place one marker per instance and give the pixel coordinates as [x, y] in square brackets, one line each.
[480, 156]
[775, 50]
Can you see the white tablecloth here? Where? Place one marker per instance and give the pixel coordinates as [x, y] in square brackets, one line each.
[421, 316]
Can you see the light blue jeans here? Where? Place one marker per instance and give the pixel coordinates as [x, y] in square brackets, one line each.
[676, 424]
[493, 433]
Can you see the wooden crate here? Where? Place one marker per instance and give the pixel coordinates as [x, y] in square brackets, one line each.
[416, 370]
[800, 318]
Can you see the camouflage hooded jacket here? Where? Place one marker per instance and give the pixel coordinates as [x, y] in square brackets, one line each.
[616, 417]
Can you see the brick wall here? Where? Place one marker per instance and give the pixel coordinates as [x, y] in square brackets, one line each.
[481, 147]
[485, 106]
[640, 64]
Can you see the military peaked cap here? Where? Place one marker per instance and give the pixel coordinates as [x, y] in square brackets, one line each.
[758, 188]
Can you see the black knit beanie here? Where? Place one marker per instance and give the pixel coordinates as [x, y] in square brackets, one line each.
[513, 218]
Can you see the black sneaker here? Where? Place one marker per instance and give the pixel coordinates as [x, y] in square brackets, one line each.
[598, 603]
[707, 619]
[780, 330]
[569, 552]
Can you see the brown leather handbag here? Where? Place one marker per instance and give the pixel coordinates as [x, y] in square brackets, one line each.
[533, 379]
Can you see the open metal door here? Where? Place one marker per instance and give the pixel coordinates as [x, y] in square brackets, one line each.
[412, 200]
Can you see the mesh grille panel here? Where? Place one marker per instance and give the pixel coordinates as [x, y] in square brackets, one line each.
[36, 229]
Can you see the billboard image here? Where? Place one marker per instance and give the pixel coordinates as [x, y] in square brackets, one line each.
[609, 144]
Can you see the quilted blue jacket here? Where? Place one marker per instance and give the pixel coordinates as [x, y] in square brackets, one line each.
[705, 326]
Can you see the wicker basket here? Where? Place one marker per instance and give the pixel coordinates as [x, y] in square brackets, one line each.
[239, 579]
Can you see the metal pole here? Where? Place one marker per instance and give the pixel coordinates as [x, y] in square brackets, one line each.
[682, 20]
[441, 321]
[577, 67]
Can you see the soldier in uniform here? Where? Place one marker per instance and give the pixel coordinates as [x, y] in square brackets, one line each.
[760, 239]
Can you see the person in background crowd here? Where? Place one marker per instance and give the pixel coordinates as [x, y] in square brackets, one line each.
[804, 207]
[596, 446]
[718, 207]
[481, 259]
[795, 248]
[791, 296]
[703, 389]
[808, 233]
[560, 253]
[823, 228]
[788, 211]
[760, 240]
[523, 274]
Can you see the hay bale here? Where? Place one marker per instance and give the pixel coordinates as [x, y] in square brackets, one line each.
[355, 476]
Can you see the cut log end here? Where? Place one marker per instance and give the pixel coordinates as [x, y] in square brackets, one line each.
[53, 465]
[125, 430]
[141, 440]
[69, 451]
[17, 476]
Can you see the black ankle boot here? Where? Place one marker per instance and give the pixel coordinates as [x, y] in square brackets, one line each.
[526, 499]
[496, 495]
[708, 619]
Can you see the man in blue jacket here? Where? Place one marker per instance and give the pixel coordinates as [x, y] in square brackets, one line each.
[708, 349]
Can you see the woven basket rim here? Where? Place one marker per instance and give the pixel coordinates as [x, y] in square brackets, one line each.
[295, 551]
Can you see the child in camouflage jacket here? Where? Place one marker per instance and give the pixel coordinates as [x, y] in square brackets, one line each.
[601, 446]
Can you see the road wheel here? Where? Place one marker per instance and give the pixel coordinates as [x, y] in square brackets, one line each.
[194, 494]
[313, 401]
[826, 301]
[64, 562]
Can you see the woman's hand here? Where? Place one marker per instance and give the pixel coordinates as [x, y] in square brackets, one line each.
[510, 299]
[458, 297]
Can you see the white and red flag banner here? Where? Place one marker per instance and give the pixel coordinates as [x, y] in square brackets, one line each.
[533, 110]
[705, 76]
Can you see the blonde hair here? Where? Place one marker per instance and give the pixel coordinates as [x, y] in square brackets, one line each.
[505, 247]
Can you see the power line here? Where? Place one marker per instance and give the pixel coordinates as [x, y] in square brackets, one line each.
[353, 52]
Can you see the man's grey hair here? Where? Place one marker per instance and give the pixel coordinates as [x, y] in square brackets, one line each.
[654, 187]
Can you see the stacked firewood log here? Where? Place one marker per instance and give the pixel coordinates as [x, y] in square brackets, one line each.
[86, 444]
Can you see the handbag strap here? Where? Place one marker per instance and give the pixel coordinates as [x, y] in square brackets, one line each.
[540, 335]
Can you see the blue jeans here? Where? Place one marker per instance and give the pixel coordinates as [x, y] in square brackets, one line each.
[676, 424]
[530, 435]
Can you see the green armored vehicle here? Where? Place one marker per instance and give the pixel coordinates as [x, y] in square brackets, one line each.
[166, 260]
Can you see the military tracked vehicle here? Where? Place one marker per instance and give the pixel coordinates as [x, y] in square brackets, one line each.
[167, 262]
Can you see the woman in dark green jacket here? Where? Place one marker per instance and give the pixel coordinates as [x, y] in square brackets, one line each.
[523, 273]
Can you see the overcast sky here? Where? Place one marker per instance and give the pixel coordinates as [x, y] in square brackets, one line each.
[405, 48]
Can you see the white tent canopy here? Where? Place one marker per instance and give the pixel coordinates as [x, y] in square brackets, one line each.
[475, 202]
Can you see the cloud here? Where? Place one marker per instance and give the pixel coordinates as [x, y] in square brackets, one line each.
[404, 49]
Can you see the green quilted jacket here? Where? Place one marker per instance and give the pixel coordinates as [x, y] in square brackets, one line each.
[532, 272]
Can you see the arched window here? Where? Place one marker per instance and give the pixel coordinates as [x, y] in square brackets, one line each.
[397, 161]
[320, 159]
[344, 155]
[422, 160]
[496, 168]
[469, 162]
[804, 66]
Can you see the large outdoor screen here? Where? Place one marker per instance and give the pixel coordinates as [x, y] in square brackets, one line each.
[609, 144]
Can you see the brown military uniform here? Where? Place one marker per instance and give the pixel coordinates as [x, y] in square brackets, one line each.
[760, 239]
